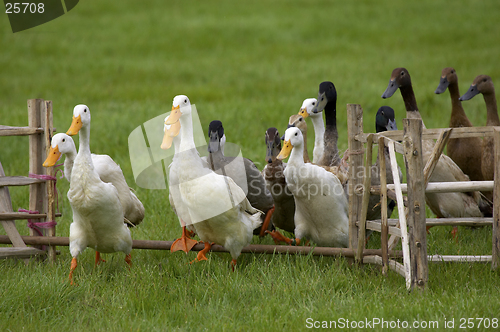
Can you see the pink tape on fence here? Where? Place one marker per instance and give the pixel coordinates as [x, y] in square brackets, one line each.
[50, 178]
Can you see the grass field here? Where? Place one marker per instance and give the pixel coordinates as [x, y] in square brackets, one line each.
[250, 65]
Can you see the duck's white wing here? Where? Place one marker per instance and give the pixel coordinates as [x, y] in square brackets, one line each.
[109, 171]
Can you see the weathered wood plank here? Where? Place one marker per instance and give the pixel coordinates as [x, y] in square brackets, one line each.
[445, 187]
[383, 206]
[458, 259]
[20, 252]
[401, 212]
[37, 191]
[412, 142]
[364, 201]
[496, 205]
[6, 207]
[445, 222]
[434, 133]
[393, 265]
[436, 154]
[377, 226]
[253, 248]
[49, 198]
[19, 131]
[18, 181]
[354, 127]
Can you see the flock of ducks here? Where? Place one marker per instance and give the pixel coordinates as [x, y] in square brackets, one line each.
[226, 200]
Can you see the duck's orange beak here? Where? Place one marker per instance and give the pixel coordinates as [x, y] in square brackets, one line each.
[53, 157]
[304, 113]
[285, 151]
[75, 127]
[169, 135]
[174, 116]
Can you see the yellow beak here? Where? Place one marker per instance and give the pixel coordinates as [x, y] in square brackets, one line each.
[304, 113]
[174, 115]
[169, 135]
[53, 157]
[75, 127]
[285, 150]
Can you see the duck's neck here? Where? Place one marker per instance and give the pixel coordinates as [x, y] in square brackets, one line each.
[331, 119]
[410, 101]
[305, 153]
[187, 139]
[213, 157]
[189, 163]
[296, 157]
[491, 108]
[68, 164]
[458, 117]
[84, 149]
[331, 114]
[319, 129]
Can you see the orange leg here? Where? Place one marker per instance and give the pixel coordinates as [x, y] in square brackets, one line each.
[128, 260]
[98, 258]
[267, 220]
[454, 233]
[189, 233]
[73, 267]
[233, 264]
[201, 255]
[185, 243]
[278, 237]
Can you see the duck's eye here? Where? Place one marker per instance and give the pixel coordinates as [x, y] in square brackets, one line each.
[84, 110]
[185, 101]
[383, 113]
[300, 119]
[296, 134]
[402, 73]
[313, 103]
[453, 72]
[484, 79]
[64, 140]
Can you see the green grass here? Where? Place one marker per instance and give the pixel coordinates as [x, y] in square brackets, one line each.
[249, 65]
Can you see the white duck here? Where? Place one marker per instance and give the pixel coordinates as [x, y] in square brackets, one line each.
[321, 209]
[218, 208]
[97, 211]
[171, 135]
[106, 168]
[318, 125]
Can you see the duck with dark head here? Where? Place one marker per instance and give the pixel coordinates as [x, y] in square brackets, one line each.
[444, 205]
[327, 101]
[461, 150]
[284, 204]
[251, 179]
[484, 84]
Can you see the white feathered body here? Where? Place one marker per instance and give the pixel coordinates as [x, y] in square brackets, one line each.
[217, 208]
[97, 212]
[321, 210]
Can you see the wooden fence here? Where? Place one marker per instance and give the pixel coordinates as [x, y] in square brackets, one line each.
[40, 181]
[412, 222]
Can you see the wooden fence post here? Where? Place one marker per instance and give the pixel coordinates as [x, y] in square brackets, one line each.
[37, 191]
[383, 206]
[365, 201]
[49, 198]
[495, 255]
[354, 127]
[412, 142]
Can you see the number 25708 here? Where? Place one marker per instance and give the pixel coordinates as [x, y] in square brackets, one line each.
[24, 7]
